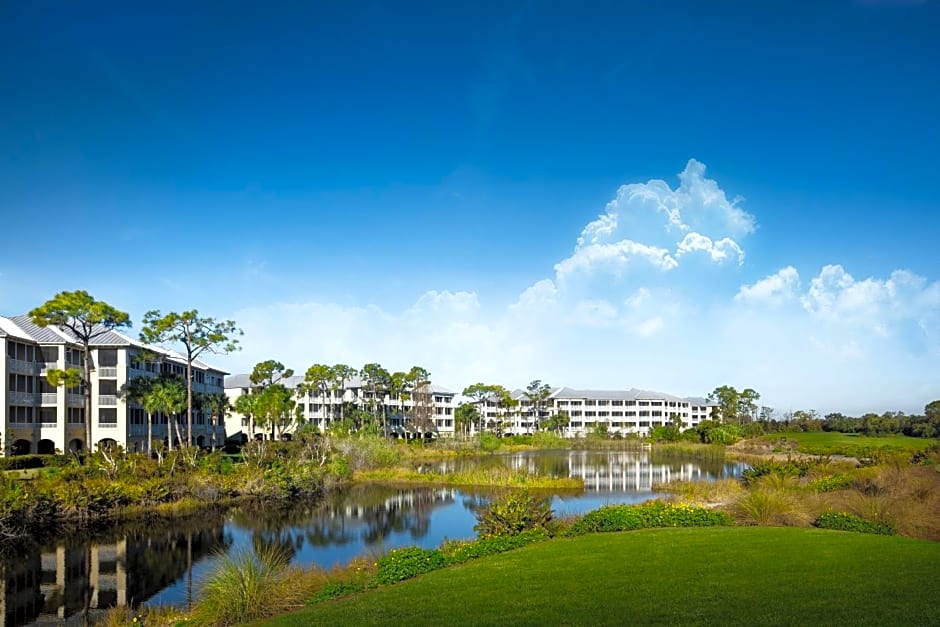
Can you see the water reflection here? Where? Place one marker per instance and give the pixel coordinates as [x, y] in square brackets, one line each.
[81, 575]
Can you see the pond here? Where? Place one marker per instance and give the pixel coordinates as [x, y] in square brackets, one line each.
[163, 563]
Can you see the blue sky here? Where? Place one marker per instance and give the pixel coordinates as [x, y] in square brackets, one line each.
[493, 190]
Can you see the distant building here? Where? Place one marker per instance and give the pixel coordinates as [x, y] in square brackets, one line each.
[429, 410]
[616, 411]
[39, 418]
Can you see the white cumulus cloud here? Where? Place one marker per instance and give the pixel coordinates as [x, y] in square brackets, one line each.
[778, 287]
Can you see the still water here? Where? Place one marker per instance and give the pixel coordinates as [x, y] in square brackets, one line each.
[163, 563]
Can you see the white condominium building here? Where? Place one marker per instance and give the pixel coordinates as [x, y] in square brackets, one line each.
[428, 410]
[39, 418]
[617, 411]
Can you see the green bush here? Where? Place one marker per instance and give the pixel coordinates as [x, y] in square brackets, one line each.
[488, 442]
[22, 462]
[842, 521]
[789, 468]
[650, 514]
[831, 483]
[459, 552]
[401, 564]
[512, 514]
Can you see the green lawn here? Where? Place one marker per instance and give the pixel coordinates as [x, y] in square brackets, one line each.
[727, 576]
[851, 444]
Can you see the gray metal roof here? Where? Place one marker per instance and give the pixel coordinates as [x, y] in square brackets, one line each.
[24, 327]
[354, 383]
[632, 394]
[698, 400]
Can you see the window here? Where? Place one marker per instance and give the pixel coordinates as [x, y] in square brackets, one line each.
[107, 387]
[107, 416]
[50, 354]
[107, 357]
[76, 415]
[48, 415]
[21, 415]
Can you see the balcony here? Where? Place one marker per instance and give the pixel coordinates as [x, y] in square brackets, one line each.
[49, 398]
[23, 367]
[107, 425]
[76, 400]
[107, 373]
[24, 398]
[107, 400]
[49, 424]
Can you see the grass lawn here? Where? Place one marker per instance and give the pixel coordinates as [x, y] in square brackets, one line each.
[731, 575]
[851, 444]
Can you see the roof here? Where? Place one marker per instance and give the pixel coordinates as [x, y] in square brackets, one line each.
[244, 381]
[698, 400]
[24, 328]
[626, 395]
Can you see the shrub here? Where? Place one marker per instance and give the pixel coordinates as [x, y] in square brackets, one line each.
[789, 468]
[401, 564]
[767, 507]
[512, 514]
[650, 514]
[831, 483]
[246, 586]
[842, 521]
[461, 551]
[488, 442]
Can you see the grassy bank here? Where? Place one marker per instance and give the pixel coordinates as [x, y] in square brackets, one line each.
[743, 576]
[848, 444]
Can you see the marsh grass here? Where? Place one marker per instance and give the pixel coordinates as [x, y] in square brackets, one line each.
[247, 585]
[708, 493]
[770, 507]
[492, 476]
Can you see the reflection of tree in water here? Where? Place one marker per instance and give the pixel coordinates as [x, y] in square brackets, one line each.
[361, 514]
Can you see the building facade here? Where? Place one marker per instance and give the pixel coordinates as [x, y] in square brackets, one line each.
[622, 412]
[429, 410]
[39, 418]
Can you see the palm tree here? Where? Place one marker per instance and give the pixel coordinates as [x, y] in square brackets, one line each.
[216, 404]
[169, 397]
[247, 405]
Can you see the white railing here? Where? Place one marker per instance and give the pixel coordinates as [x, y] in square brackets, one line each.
[49, 424]
[107, 425]
[76, 400]
[107, 399]
[107, 373]
[24, 398]
[50, 398]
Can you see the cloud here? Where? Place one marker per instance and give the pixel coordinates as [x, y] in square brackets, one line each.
[653, 224]
[779, 287]
[626, 309]
[718, 251]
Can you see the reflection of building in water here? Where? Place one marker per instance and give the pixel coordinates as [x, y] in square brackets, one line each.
[55, 587]
[635, 474]
[617, 471]
[403, 501]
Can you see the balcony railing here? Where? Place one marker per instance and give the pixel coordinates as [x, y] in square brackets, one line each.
[107, 425]
[49, 424]
[76, 400]
[107, 399]
[50, 398]
[107, 373]
[23, 367]
[24, 398]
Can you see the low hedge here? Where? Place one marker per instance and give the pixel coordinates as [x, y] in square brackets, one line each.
[647, 515]
[841, 521]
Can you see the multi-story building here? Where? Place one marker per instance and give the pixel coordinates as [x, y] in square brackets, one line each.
[428, 409]
[39, 418]
[617, 411]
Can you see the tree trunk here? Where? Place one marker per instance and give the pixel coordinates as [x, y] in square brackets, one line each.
[189, 400]
[86, 392]
[149, 433]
